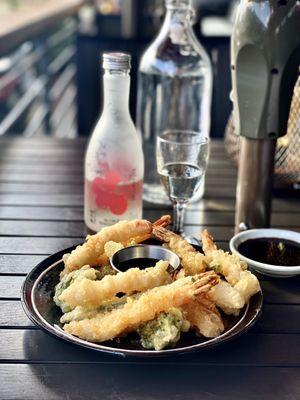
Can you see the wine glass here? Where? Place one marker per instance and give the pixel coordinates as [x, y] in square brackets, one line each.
[181, 158]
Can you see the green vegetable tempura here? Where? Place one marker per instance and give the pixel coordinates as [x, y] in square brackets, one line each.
[75, 276]
[163, 331]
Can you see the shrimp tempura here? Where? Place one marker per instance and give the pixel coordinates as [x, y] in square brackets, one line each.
[247, 285]
[233, 269]
[145, 308]
[220, 261]
[192, 261]
[227, 297]
[92, 251]
[90, 294]
[204, 316]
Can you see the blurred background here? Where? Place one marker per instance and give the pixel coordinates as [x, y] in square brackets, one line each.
[50, 50]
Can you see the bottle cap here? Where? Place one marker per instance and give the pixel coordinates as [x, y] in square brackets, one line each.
[116, 61]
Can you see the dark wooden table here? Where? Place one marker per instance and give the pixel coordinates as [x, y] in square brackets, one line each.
[41, 212]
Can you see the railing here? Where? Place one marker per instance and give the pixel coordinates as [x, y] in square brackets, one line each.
[38, 78]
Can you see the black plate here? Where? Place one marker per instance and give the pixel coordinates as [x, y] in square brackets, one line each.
[37, 301]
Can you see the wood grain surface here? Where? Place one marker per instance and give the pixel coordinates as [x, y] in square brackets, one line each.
[41, 212]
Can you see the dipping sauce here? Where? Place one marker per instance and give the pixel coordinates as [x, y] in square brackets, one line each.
[273, 251]
[140, 263]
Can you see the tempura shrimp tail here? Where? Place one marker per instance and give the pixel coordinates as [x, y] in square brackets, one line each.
[136, 311]
[163, 221]
[163, 234]
[193, 262]
[207, 242]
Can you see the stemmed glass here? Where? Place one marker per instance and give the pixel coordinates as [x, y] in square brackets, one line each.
[181, 158]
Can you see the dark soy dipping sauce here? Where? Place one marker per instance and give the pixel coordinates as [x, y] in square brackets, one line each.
[273, 251]
[140, 263]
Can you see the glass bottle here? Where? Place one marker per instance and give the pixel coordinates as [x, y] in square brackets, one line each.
[174, 88]
[114, 163]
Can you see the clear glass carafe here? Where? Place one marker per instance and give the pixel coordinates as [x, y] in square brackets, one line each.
[174, 88]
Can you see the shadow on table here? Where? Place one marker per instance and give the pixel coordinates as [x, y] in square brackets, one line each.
[65, 371]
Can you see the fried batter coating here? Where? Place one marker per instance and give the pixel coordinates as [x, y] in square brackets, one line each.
[92, 251]
[145, 308]
[89, 293]
[85, 272]
[111, 247]
[204, 316]
[233, 269]
[80, 312]
[247, 285]
[220, 261]
[192, 261]
[227, 297]
[164, 330]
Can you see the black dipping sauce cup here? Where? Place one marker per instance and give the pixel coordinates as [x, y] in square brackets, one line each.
[143, 256]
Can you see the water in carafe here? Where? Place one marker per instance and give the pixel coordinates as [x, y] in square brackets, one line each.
[174, 89]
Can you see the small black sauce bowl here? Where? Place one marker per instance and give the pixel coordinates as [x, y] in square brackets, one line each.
[144, 251]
